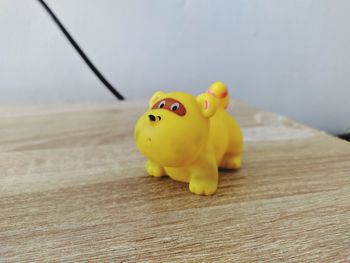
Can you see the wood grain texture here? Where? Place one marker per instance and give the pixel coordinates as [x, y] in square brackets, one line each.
[73, 188]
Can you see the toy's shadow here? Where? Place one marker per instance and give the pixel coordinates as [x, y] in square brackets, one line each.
[231, 171]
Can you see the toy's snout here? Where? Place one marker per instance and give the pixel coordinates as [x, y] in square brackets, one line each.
[153, 118]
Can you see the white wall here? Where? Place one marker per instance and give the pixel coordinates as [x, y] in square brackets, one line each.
[288, 56]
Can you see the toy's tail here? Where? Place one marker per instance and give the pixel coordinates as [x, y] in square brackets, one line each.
[219, 90]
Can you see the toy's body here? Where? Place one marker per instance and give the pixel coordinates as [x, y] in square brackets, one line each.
[188, 138]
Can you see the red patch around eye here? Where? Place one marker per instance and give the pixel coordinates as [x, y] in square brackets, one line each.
[171, 105]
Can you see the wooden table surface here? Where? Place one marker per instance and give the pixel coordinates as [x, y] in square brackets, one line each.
[73, 188]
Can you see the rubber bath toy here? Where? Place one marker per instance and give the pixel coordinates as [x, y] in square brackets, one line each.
[188, 138]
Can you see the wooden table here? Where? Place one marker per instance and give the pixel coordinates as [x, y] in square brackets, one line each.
[74, 188]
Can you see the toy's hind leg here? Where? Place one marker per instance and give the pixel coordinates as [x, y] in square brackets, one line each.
[231, 161]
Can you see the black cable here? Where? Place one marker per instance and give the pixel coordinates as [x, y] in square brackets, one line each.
[345, 136]
[81, 52]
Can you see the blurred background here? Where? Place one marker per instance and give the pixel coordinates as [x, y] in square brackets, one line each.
[291, 57]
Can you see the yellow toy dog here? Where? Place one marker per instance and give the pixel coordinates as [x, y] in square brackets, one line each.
[188, 138]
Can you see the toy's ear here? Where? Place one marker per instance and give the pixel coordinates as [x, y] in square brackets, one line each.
[156, 96]
[208, 104]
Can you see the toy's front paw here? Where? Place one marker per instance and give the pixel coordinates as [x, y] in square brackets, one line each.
[230, 162]
[154, 169]
[203, 187]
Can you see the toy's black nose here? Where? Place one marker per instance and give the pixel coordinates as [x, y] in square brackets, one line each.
[152, 117]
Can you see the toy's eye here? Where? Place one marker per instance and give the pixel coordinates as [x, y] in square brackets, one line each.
[174, 106]
[161, 104]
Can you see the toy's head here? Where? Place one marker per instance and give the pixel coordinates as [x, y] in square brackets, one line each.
[175, 128]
